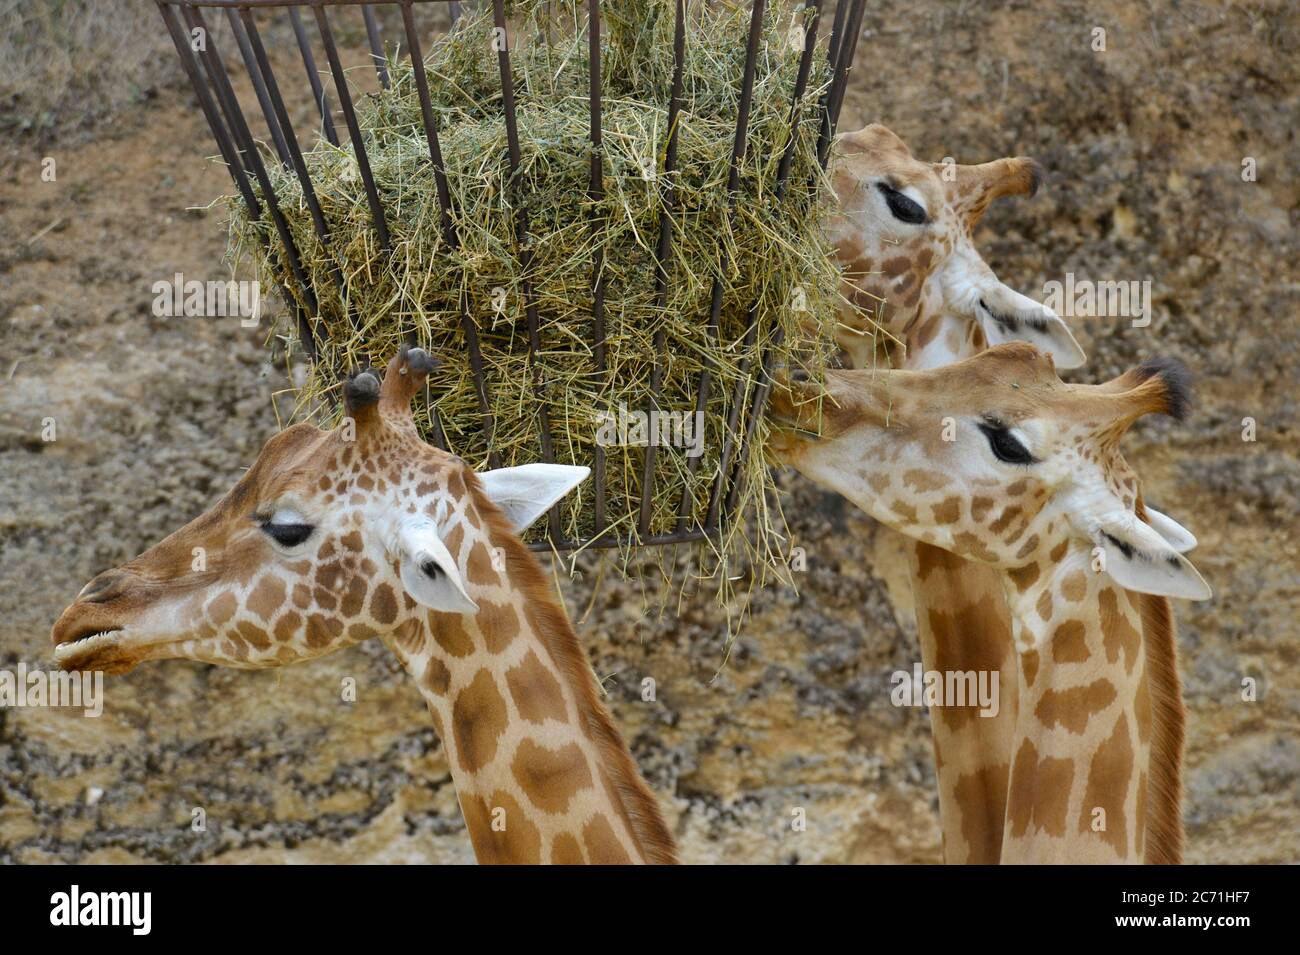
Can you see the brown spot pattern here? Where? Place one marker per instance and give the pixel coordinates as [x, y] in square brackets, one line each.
[499, 624]
[1117, 633]
[1108, 779]
[383, 605]
[535, 690]
[1069, 643]
[551, 778]
[1029, 665]
[267, 597]
[565, 850]
[478, 718]
[1040, 792]
[1023, 577]
[947, 511]
[518, 843]
[1072, 708]
[1074, 587]
[985, 790]
[479, 566]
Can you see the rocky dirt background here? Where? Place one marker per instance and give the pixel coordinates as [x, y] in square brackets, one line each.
[1144, 144]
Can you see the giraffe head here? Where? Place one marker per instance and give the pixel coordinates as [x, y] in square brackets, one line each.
[903, 234]
[330, 537]
[995, 459]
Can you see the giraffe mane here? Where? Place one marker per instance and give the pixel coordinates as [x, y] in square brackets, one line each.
[633, 795]
[1164, 837]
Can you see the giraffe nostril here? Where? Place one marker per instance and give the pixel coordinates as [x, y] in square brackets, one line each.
[102, 588]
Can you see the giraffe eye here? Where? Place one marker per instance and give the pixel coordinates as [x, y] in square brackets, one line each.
[903, 209]
[1004, 445]
[287, 535]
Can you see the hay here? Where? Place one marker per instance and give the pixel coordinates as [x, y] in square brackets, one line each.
[769, 253]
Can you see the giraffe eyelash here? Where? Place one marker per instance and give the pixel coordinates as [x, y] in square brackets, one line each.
[902, 207]
[286, 534]
[1005, 446]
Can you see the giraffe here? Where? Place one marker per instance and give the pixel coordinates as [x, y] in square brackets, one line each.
[334, 537]
[904, 235]
[903, 231]
[996, 460]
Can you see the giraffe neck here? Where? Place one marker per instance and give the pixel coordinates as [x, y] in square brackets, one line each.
[963, 624]
[540, 771]
[1081, 768]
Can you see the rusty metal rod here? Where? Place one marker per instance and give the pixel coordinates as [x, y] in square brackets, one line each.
[281, 115]
[376, 45]
[502, 43]
[233, 164]
[596, 195]
[259, 85]
[211, 59]
[313, 76]
[662, 251]
[733, 181]
[448, 227]
[354, 130]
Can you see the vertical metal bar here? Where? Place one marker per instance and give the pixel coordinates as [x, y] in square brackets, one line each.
[455, 11]
[376, 45]
[525, 254]
[733, 182]
[715, 304]
[661, 257]
[354, 130]
[221, 83]
[219, 131]
[851, 39]
[281, 115]
[231, 157]
[837, 31]
[783, 171]
[313, 76]
[233, 163]
[812, 17]
[834, 98]
[244, 162]
[448, 227]
[259, 86]
[596, 195]
[430, 125]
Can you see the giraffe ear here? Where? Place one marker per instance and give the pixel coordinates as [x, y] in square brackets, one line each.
[1176, 535]
[1007, 316]
[429, 572]
[527, 492]
[1141, 560]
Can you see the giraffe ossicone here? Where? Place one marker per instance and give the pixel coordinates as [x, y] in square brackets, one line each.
[334, 537]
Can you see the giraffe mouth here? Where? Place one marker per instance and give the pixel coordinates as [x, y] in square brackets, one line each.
[93, 649]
